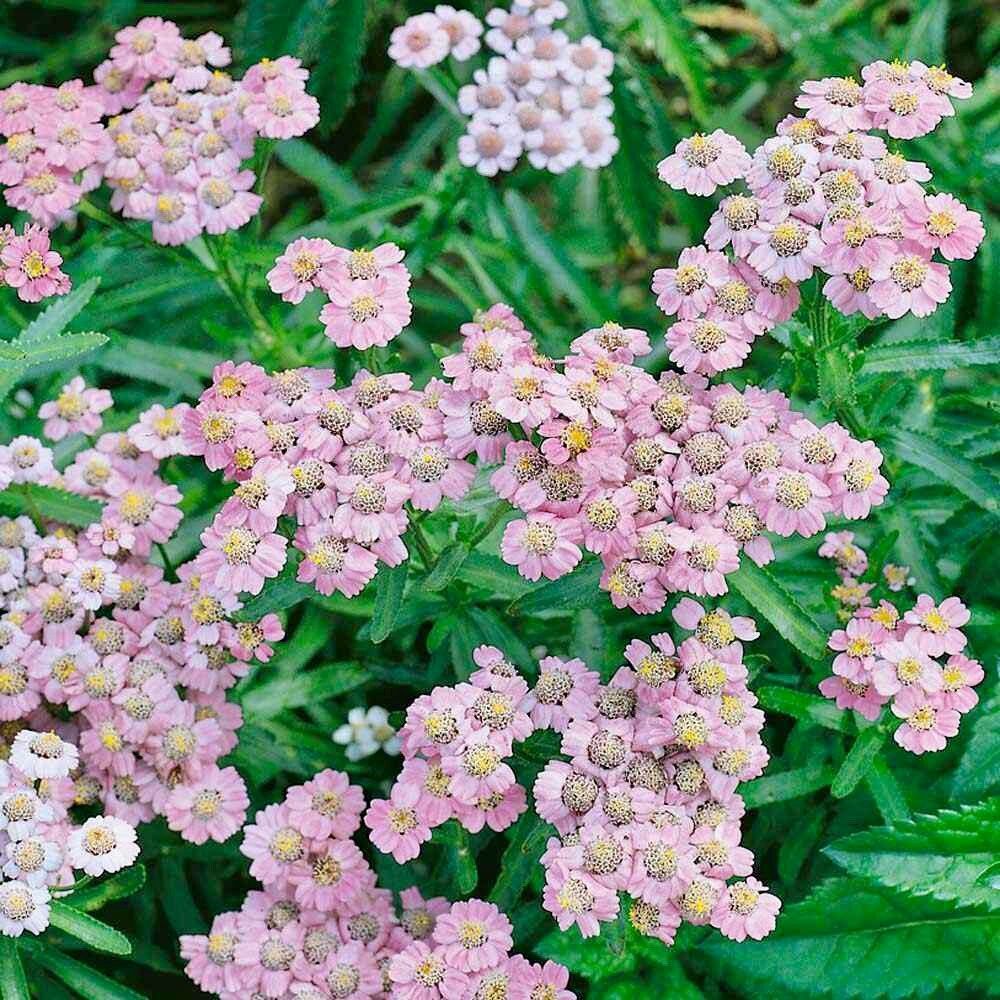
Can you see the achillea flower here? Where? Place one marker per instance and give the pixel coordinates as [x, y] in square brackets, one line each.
[542, 545]
[76, 409]
[303, 266]
[927, 725]
[102, 844]
[239, 559]
[213, 806]
[941, 222]
[365, 313]
[282, 110]
[31, 267]
[702, 163]
[421, 41]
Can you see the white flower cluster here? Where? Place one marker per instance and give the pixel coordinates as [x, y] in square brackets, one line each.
[541, 94]
[40, 845]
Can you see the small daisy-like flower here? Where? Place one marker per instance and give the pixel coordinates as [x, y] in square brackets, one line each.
[213, 806]
[939, 624]
[689, 289]
[395, 824]
[42, 756]
[102, 845]
[303, 266]
[707, 345]
[76, 409]
[927, 724]
[490, 148]
[941, 222]
[32, 268]
[23, 907]
[909, 282]
[836, 103]
[282, 110]
[702, 163]
[365, 313]
[746, 910]
[473, 936]
[421, 41]
[542, 545]
[366, 732]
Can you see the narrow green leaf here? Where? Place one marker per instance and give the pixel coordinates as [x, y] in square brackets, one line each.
[787, 785]
[13, 984]
[577, 590]
[279, 594]
[449, 562]
[389, 586]
[88, 929]
[887, 793]
[859, 761]
[805, 707]
[67, 347]
[303, 688]
[761, 589]
[978, 771]
[458, 865]
[945, 463]
[59, 315]
[82, 979]
[50, 503]
[906, 356]
[97, 894]
[941, 855]
[526, 844]
[925, 34]
[586, 958]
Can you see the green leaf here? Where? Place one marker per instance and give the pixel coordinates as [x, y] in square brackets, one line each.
[82, 979]
[907, 356]
[787, 785]
[182, 369]
[942, 855]
[13, 984]
[88, 929]
[943, 461]
[978, 771]
[578, 589]
[389, 586]
[458, 865]
[805, 707]
[303, 688]
[852, 939]
[279, 594]
[887, 793]
[925, 34]
[449, 562]
[587, 958]
[525, 846]
[97, 894]
[761, 589]
[59, 315]
[50, 503]
[859, 761]
[333, 81]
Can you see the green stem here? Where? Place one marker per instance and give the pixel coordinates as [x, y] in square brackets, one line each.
[168, 566]
[421, 543]
[496, 515]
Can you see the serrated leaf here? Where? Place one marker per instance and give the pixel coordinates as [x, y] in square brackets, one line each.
[941, 855]
[277, 694]
[945, 463]
[82, 979]
[64, 347]
[915, 356]
[887, 793]
[526, 843]
[449, 562]
[588, 958]
[859, 761]
[182, 369]
[764, 592]
[576, 590]
[786, 785]
[13, 984]
[390, 583]
[90, 930]
[805, 707]
[59, 315]
[279, 594]
[333, 81]
[853, 939]
[50, 503]
[978, 771]
[120, 886]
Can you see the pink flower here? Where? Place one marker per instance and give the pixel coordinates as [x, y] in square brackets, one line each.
[702, 163]
[303, 266]
[862, 697]
[421, 41]
[746, 909]
[330, 878]
[326, 806]
[282, 110]
[939, 624]
[791, 502]
[907, 109]
[689, 289]
[226, 202]
[575, 898]
[791, 250]
[549, 980]
[473, 936]
[858, 646]
[77, 409]
[212, 806]
[959, 676]
[211, 958]
[836, 103]
[419, 972]
[240, 560]
[855, 483]
[395, 824]
[332, 562]
[158, 432]
[542, 545]
[707, 345]
[148, 48]
[31, 267]
[478, 769]
[927, 724]
[903, 663]
[715, 629]
[941, 222]
[564, 690]
[365, 312]
[259, 500]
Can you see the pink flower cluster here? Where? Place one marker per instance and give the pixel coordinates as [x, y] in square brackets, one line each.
[322, 927]
[647, 803]
[541, 94]
[825, 193]
[888, 657]
[135, 667]
[172, 149]
[851, 562]
[456, 743]
[341, 463]
[368, 304]
[29, 265]
[666, 479]
[40, 843]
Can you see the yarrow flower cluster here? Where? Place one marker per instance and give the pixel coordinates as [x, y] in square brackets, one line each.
[178, 130]
[824, 193]
[97, 644]
[541, 94]
[29, 265]
[367, 291]
[41, 844]
[322, 928]
[647, 803]
[342, 463]
[457, 742]
[886, 656]
[666, 479]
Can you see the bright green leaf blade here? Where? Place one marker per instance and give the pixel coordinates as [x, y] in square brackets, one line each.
[787, 785]
[805, 707]
[93, 897]
[13, 984]
[978, 771]
[525, 846]
[82, 979]
[904, 357]
[59, 315]
[390, 584]
[859, 761]
[569, 593]
[449, 562]
[49, 503]
[303, 688]
[88, 929]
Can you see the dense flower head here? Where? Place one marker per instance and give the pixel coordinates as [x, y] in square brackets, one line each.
[321, 927]
[29, 265]
[164, 125]
[129, 667]
[824, 193]
[666, 480]
[912, 660]
[540, 95]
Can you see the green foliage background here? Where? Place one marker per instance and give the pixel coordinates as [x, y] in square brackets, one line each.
[886, 863]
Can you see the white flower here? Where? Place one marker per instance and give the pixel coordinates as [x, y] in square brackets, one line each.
[488, 99]
[21, 810]
[490, 148]
[365, 732]
[463, 28]
[597, 138]
[93, 583]
[32, 860]
[557, 146]
[419, 42]
[543, 12]
[102, 844]
[506, 27]
[586, 62]
[43, 755]
[23, 907]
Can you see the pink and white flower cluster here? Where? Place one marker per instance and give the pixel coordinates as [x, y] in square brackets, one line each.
[541, 95]
[29, 265]
[666, 480]
[179, 127]
[647, 802]
[367, 291]
[825, 193]
[321, 927]
[342, 463]
[97, 644]
[456, 743]
[914, 661]
[41, 844]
